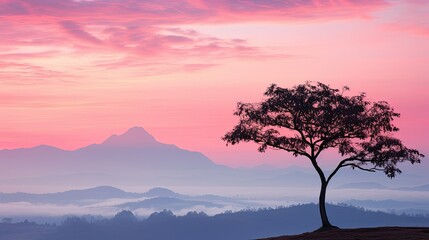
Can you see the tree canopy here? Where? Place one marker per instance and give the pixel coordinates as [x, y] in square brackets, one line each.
[310, 118]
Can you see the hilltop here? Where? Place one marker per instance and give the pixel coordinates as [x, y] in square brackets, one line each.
[380, 233]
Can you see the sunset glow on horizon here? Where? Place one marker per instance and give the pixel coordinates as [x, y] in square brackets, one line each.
[72, 72]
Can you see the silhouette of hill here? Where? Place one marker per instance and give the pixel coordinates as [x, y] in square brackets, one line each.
[134, 156]
[380, 233]
[248, 224]
[162, 192]
[90, 194]
[25, 231]
[69, 197]
[125, 217]
[383, 203]
[157, 199]
[137, 150]
[393, 206]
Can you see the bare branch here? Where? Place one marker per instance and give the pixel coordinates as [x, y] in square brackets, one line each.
[294, 151]
[340, 165]
[373, 169]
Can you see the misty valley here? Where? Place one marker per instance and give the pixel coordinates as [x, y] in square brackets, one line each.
[106, 201]
[148, 186]
[268, 120]
[244, 224]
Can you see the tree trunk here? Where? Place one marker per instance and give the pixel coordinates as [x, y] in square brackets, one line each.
[322, 197]
[322, 207]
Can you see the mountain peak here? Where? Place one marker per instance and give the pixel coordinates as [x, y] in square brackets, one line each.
[133, 137]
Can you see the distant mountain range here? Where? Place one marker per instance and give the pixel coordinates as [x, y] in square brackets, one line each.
[393, 206]
[85, 196]
[137, 158]
[128, 159]
[134, 154]
[156, 199]
[385, 204]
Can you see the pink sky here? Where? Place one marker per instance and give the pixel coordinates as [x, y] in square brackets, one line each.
[74, 72]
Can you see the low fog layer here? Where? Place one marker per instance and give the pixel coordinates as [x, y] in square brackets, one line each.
[106, 201]
[136, 162]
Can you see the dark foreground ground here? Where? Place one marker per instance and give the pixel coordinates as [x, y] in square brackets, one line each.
[380, 233]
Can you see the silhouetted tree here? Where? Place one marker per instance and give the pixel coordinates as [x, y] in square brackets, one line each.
[312, 117]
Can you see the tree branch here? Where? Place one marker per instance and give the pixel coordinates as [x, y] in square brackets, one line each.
[373, 169]
[295, 151]
[342, 164]
[302, 153]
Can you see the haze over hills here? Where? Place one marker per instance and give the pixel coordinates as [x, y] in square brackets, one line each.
[246, 224]
[101, 193]
[84, 196]
[134, 155]
[107, 200]
[137, 158]
[362, 185]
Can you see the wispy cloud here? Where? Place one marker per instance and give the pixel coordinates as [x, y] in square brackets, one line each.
[27, 74]
[183, 11]
[151, 28]
[76, 31]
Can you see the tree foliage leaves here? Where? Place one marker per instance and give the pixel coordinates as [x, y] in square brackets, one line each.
[312, 117]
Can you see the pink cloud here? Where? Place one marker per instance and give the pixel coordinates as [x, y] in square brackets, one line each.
[23, 55]
[148, 68]
[76, 31]
[151, 47]
[144, 35]
[27, 74]
[136, 25]
[182, 11]
[12, 8]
